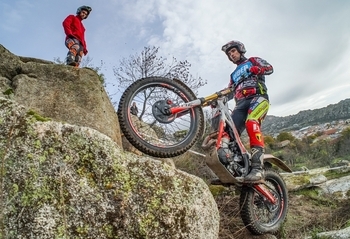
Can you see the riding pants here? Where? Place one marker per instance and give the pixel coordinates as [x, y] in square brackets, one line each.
[75, 52]
[248, 114]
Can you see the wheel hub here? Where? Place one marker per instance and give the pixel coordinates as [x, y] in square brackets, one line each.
[161, 112]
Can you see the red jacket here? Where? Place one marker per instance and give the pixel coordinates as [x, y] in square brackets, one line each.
[73, 26]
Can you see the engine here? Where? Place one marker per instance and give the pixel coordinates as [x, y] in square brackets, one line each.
[230, 156]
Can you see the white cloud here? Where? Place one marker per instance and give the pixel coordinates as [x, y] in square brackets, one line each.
[307, 42]
[299, 38]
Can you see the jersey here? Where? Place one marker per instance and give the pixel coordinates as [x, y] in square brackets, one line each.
[247, 84]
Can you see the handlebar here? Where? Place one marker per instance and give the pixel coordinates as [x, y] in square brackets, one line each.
[205, 101]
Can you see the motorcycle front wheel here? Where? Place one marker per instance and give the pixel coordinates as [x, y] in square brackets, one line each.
[258, 214]
[153, 130]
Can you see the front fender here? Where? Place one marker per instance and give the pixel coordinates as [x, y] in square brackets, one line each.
[276, 161]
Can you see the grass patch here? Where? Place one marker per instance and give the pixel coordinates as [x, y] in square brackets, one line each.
[37, 116]
[333, 174]
[317, 198]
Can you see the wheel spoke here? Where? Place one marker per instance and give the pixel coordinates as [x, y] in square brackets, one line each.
[155, 131]
[258, 213]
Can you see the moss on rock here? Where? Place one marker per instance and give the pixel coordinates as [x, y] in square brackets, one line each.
[65, 181]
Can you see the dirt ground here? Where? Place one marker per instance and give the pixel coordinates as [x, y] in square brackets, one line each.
[308, 213]
[306, 216]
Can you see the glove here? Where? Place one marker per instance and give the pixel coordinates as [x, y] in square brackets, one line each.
[256, 70]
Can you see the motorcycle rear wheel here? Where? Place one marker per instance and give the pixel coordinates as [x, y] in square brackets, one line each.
[259, 215]
[152, 131]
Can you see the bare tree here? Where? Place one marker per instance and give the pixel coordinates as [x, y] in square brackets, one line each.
[148, 63]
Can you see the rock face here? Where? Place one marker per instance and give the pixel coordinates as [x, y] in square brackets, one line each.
[317, 178]
[62, 93]
[63, 181]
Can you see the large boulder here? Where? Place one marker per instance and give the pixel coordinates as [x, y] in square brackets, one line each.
[58, 180]
[63, 93]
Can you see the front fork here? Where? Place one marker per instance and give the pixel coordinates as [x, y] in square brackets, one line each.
[262, 190]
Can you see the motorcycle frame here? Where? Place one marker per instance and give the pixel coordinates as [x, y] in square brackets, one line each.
[225, 118]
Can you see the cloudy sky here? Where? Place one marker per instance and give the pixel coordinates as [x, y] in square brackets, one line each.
[307, 42]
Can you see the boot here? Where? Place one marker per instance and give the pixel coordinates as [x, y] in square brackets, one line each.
[257, 172]
[70, 60]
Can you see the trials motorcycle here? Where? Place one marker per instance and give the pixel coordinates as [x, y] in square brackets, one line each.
[171, 120]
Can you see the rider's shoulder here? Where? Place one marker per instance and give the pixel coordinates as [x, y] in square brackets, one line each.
[257, 60]
[254, 58]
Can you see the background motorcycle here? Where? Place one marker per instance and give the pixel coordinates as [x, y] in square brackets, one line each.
[171, 120]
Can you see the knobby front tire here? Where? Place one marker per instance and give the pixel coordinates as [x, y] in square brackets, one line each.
[260, 216]
[150, 131]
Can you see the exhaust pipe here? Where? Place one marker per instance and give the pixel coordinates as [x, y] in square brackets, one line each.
[208, 142]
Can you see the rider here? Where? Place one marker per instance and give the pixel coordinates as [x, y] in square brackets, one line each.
[252, 101]
[75, 35]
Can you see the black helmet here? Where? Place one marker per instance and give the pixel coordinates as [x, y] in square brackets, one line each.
[86, 8]
[234, 44]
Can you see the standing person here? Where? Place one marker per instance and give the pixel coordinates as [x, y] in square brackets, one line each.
[252, 101]
[133, 109]
[75, 35]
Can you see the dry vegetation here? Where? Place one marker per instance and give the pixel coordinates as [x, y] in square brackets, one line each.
[308, 213]
[306, 217]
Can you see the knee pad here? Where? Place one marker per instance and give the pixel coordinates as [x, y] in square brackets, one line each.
[254, 133]
[72, 51]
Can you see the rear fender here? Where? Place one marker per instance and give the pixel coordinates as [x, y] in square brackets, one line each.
[269, 158]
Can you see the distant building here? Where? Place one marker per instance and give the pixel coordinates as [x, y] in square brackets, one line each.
[330, 131]
[305, 128]
[322, 137]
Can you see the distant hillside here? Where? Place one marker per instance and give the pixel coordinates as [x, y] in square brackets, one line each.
[339, 111]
